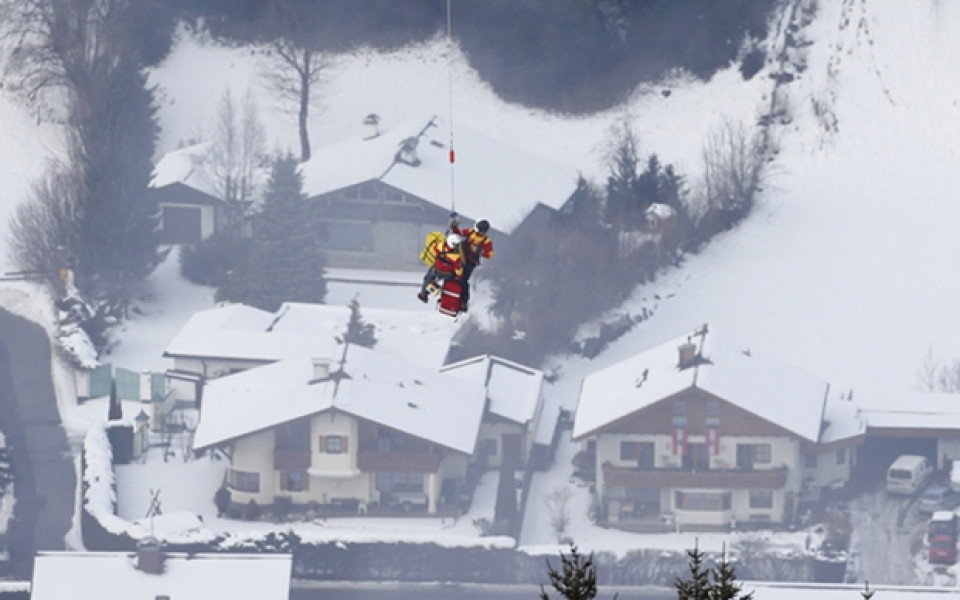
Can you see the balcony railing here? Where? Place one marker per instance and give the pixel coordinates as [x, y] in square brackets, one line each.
[766, 479]
[291, 459]
[373, 462]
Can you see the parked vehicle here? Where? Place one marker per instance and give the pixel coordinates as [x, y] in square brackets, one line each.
[936, 498]
[908, 474]
[942, 534]
[954, 481]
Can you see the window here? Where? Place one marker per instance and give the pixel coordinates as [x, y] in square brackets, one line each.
[488, 448]
[399, 482]
[679, 408]
[702, 500]
[761, 453]
[761, 499]
[293, 436]
[243, 481]
[841, 456]
[810, 461]
[713, 408]
[294, 481]
[628, 450]
[333, 444]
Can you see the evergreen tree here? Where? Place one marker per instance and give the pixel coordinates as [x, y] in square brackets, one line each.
[697, 586]
[114, 411]
[622, 181]
[358, 332]
[725, 586]
[505, 511]
[287, 261]
[717, 583]
[577, 579]
[115, 131]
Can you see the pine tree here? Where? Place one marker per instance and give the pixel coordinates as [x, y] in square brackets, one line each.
[505, 510]
[577, 579]
[287, 261]
[358, 332]
[112, 148]
[114, 410]
[717, 583]
[697, 586]
[725, 586]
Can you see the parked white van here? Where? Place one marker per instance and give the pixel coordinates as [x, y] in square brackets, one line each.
[908, 474]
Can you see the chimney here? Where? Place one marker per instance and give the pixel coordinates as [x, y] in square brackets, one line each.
[408, 151]
[149, 556]
[371, 126]
[321, 369]
[688, 352]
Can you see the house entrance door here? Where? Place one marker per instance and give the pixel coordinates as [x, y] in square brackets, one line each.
[511, 450]
[696, 457]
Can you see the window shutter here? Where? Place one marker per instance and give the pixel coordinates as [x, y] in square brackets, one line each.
[323, 443]
[343, 444]
[283, 480]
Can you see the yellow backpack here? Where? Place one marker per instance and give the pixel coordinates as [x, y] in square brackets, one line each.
[428, 255]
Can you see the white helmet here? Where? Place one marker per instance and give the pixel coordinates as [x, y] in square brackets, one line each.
[454, 240]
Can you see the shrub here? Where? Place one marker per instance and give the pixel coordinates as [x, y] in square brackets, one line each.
[251, 512]
[222, 500]
[214, 259]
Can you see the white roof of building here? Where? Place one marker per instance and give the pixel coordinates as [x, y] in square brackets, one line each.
[513, 389]
[416, 400]
[240, 332]
[910, 410]
[772, 390]
[98, 575]
[185, 165]
[492, 180]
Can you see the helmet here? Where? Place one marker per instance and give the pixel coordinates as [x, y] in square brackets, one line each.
[454, 240]
[482, 226]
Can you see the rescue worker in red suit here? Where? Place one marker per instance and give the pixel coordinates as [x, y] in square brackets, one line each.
[476, 245]
[447, 264]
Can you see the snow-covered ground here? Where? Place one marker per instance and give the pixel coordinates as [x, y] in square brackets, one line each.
[844, 269]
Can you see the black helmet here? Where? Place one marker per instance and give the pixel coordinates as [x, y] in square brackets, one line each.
[482, 226]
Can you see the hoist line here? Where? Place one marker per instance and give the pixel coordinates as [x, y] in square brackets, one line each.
[453, 201]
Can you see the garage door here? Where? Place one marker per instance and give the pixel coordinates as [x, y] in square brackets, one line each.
[181, 225]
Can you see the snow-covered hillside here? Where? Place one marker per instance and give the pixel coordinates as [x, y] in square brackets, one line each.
[846, 267]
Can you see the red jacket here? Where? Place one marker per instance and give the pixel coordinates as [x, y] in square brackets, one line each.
[475, 244]
[449, 260]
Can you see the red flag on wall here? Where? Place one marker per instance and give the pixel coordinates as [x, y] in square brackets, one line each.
[679, 441]
[713, 441]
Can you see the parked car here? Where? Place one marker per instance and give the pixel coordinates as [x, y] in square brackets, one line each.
[908, 474]
[942, 535]
[937, 497]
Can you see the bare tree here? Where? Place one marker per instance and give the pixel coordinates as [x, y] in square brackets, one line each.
[558, 507]
[43, 231]
[296, 66]
[733, 171]
[936, 376]
[235, 157]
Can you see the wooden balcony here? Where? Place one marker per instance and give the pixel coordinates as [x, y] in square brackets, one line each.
[766, 479]
[284, 460]
[373, 462]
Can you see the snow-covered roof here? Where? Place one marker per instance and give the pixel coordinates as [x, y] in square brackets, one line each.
[909, 409]
[770, 389]
[493, 180]
[98, 575]
[417, 400]
[241, 332]
[185, 165]
[513, 389]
